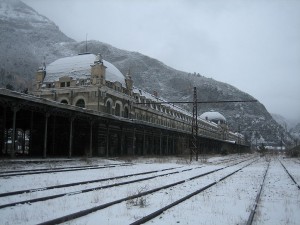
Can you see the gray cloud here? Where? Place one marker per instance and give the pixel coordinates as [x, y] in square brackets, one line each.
[253, 45]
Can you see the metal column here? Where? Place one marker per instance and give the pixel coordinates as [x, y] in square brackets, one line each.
[53, 134]
[91, 139]
[144, 142]
[45, 135]
[173, 145]
[15, 110]
[4, 150]
[71, 137]
[160, 143]
[167, 147]
[122, 142]
[133, 142]
[107, 140]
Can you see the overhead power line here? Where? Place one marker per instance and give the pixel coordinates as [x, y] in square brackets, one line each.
[198, 102]
[194, 149]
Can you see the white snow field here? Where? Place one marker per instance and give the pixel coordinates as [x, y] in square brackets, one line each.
[222, 190]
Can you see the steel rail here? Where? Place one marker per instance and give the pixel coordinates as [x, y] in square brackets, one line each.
[160, 211]
[290, 175]
[89, 189]
[80, 183]
[99, 207]
[61, 170]
[226, 160]
[58, 168]
[253, 211]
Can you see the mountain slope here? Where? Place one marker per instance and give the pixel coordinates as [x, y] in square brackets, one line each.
[295, 132]
[26, 37]
[252, 119]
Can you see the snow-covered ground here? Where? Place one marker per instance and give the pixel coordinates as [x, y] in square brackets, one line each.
[227, 201]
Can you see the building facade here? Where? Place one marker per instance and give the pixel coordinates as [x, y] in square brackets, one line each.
[90, 82]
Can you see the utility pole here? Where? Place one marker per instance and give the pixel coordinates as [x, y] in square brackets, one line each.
[86, 43]
[194, 147]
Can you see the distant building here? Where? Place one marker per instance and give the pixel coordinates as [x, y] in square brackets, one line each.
[219, 119]
[214, 116]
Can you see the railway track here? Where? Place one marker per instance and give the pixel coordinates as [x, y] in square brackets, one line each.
[253, 211]
[175, 203]
[252, 218]
[24, 191]
[58, 170]
[289, 174]
[227, 160]
[257, 199]
[85, 212]
[87, 189]
[46, 169]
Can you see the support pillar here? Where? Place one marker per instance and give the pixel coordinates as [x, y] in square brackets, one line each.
[23, 141]
[4, 150]
[144, 142]
[173, 145]
[133, 142]
[167, 147]
[53, 134]
[91, 139]
[31, 131]
[71, 137]
[107, 140]
[122, 142]
[45, 135]
[12, 152]
[152, 146]
[160, 143]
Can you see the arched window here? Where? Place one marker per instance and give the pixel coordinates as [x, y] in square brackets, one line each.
[64, 102]
[118, 109]
[126, 112]
[80, 103]
[108, 107]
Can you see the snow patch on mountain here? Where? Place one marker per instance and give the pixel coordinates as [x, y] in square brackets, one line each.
[16, 10]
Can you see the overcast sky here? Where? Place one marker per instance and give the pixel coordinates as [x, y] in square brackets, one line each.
[251, 44]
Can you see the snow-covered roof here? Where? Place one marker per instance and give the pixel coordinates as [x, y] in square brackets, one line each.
[113, 74]
[79, 67]
[171, 106]
[153, 98]
[213, 116]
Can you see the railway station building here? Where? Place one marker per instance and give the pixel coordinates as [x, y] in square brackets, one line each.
[128, 120]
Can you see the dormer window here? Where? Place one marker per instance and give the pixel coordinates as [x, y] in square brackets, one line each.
[65, 81]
